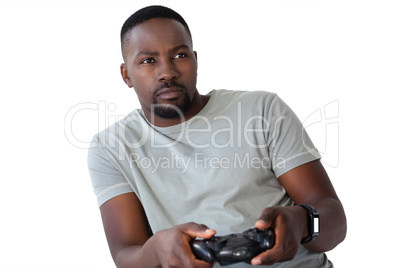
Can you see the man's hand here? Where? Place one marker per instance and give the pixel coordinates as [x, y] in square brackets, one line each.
[171, 247]
[305, 184]
[290, 227]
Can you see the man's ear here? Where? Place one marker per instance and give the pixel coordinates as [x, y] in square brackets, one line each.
[195, 54]
[124, 75]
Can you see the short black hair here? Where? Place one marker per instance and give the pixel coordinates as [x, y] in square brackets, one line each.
[147, 13]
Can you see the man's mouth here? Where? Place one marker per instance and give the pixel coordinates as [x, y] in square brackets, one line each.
[169, 93]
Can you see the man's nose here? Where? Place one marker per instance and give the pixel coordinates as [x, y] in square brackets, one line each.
[167, 71]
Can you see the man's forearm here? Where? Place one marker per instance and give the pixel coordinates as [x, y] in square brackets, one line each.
[135, 256]
[332, 225]
[170, 247]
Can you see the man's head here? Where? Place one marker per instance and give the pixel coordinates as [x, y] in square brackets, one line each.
[147, 13]
[159, 62]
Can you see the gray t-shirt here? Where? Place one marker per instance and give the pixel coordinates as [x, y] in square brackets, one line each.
[219, 168]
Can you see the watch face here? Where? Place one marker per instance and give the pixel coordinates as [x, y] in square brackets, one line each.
[316, 225]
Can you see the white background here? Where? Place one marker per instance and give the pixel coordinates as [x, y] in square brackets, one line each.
[55, 55]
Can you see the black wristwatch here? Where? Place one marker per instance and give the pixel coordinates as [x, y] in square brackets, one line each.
[313, 221]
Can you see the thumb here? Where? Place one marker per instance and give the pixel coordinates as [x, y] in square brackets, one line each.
[197, 230]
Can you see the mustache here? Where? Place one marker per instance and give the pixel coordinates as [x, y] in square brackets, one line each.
[167, 84]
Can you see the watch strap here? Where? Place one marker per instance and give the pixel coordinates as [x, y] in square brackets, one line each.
[313, 223]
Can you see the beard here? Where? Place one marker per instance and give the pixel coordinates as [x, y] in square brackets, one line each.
[170, 111]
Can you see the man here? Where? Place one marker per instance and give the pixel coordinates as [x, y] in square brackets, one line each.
[185, 161]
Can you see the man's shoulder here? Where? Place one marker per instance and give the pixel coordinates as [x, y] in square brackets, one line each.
[132, 121]
[256, 97]
[244, 93]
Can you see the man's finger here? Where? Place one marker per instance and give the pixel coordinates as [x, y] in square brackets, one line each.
[197, 230]
[266, 219]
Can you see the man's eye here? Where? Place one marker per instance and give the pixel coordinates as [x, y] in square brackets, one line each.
[180, 55]
[147, 61]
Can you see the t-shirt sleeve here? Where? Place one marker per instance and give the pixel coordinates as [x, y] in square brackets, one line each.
[290, 146]
[107, 180]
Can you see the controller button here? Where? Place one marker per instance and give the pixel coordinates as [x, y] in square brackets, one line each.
[240, 252]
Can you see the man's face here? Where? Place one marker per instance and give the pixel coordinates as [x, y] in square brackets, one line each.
[161, 66]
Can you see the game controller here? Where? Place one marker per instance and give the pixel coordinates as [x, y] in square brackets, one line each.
[234, 248]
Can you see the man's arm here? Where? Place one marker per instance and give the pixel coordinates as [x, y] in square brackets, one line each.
[132, 245]
[306, 184]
